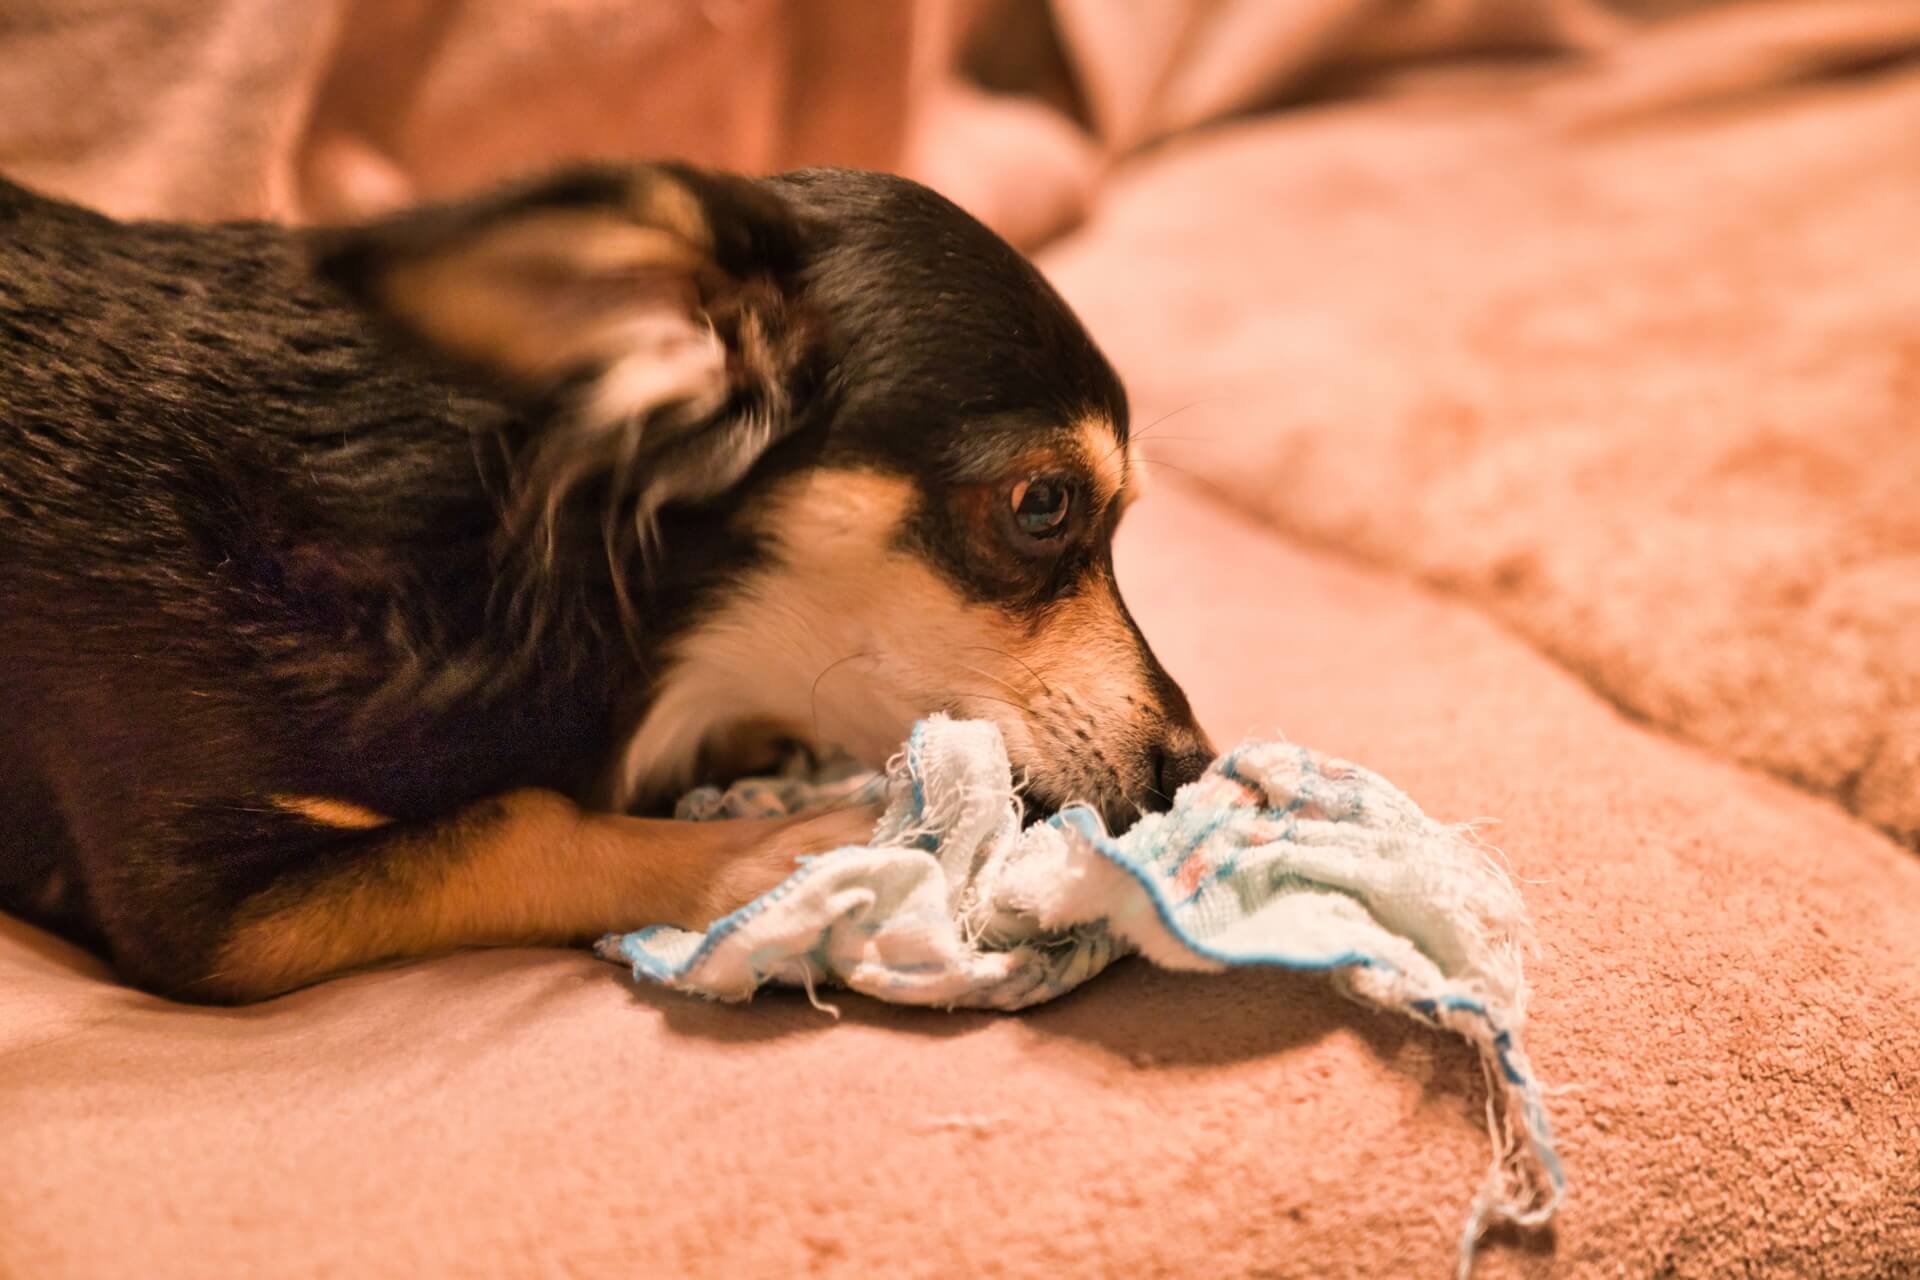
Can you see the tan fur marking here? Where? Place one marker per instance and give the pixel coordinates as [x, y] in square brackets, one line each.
[1108, 463]
[325, 812]
[838, 591]
[1137, 485]
[1094, 662]
[846, 639]
[530, 868]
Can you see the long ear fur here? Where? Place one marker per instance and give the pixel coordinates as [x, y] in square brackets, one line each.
[652, 302]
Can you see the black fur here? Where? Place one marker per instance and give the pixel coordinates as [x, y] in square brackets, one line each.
[247, 546]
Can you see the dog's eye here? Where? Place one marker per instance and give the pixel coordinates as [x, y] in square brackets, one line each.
[1040, 506]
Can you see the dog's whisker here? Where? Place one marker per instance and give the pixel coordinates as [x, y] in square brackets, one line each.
[1174, 413]
[813, 694]
[1011, 658]
[1190, 439]
[1196, 478]
[1008, 685]
[1133, 437]
[1017, 706]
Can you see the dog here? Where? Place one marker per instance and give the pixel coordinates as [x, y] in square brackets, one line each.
[370, 591]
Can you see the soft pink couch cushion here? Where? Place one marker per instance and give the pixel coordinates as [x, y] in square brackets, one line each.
[1650, 394]
[1726, 987]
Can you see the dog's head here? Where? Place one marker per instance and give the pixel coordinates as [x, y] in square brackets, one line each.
[855, 460]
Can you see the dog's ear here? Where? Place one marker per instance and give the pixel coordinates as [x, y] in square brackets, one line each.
[654, 298]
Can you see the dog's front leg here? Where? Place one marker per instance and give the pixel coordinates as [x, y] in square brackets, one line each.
[527, 868]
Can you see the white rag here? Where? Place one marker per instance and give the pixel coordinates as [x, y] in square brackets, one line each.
[1277, 856]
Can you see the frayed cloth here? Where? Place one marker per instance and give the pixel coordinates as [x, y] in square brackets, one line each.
[1277, 856]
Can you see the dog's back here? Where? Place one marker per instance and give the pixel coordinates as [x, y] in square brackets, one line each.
[219, 487]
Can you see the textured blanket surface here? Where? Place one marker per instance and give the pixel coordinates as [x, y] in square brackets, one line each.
[1277, 857]
[1648, 393]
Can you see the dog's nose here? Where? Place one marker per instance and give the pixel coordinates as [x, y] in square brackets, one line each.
[1173, 762]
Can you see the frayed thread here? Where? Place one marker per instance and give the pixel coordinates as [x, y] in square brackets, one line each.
[813, 997]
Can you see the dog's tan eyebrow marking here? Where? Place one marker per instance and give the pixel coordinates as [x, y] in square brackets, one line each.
[1109, 461]
[326, 812]
[1136, 478]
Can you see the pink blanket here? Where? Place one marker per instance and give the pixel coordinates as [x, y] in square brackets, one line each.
[1646, 393]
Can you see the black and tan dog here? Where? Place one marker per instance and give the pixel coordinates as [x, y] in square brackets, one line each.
[356, 586]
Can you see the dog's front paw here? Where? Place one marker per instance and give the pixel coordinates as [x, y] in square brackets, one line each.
[776, 854]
